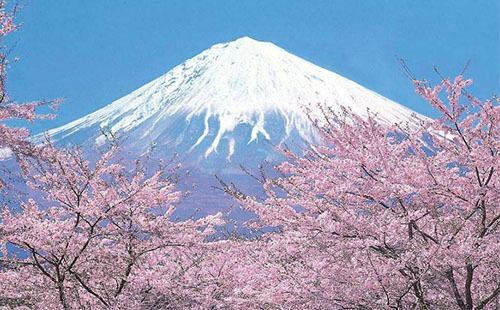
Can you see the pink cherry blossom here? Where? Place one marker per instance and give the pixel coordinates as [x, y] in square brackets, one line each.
[385, 217]
[103, 237]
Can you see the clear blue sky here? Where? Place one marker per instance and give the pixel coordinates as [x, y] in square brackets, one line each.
[95, 51]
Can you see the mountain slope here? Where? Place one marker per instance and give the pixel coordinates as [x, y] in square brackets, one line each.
[229, 105]
[208, 96]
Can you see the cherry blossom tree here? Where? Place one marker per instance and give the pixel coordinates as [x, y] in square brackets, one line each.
[13, 140]
[95, 235]
[103, 238]
[385, 217]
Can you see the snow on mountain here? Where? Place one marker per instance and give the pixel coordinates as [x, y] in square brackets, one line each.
[208, 96]
[229, 105]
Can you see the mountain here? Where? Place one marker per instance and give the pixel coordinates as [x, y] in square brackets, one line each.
[228, 105]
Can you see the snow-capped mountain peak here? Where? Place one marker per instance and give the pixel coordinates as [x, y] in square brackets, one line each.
[200, 104]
